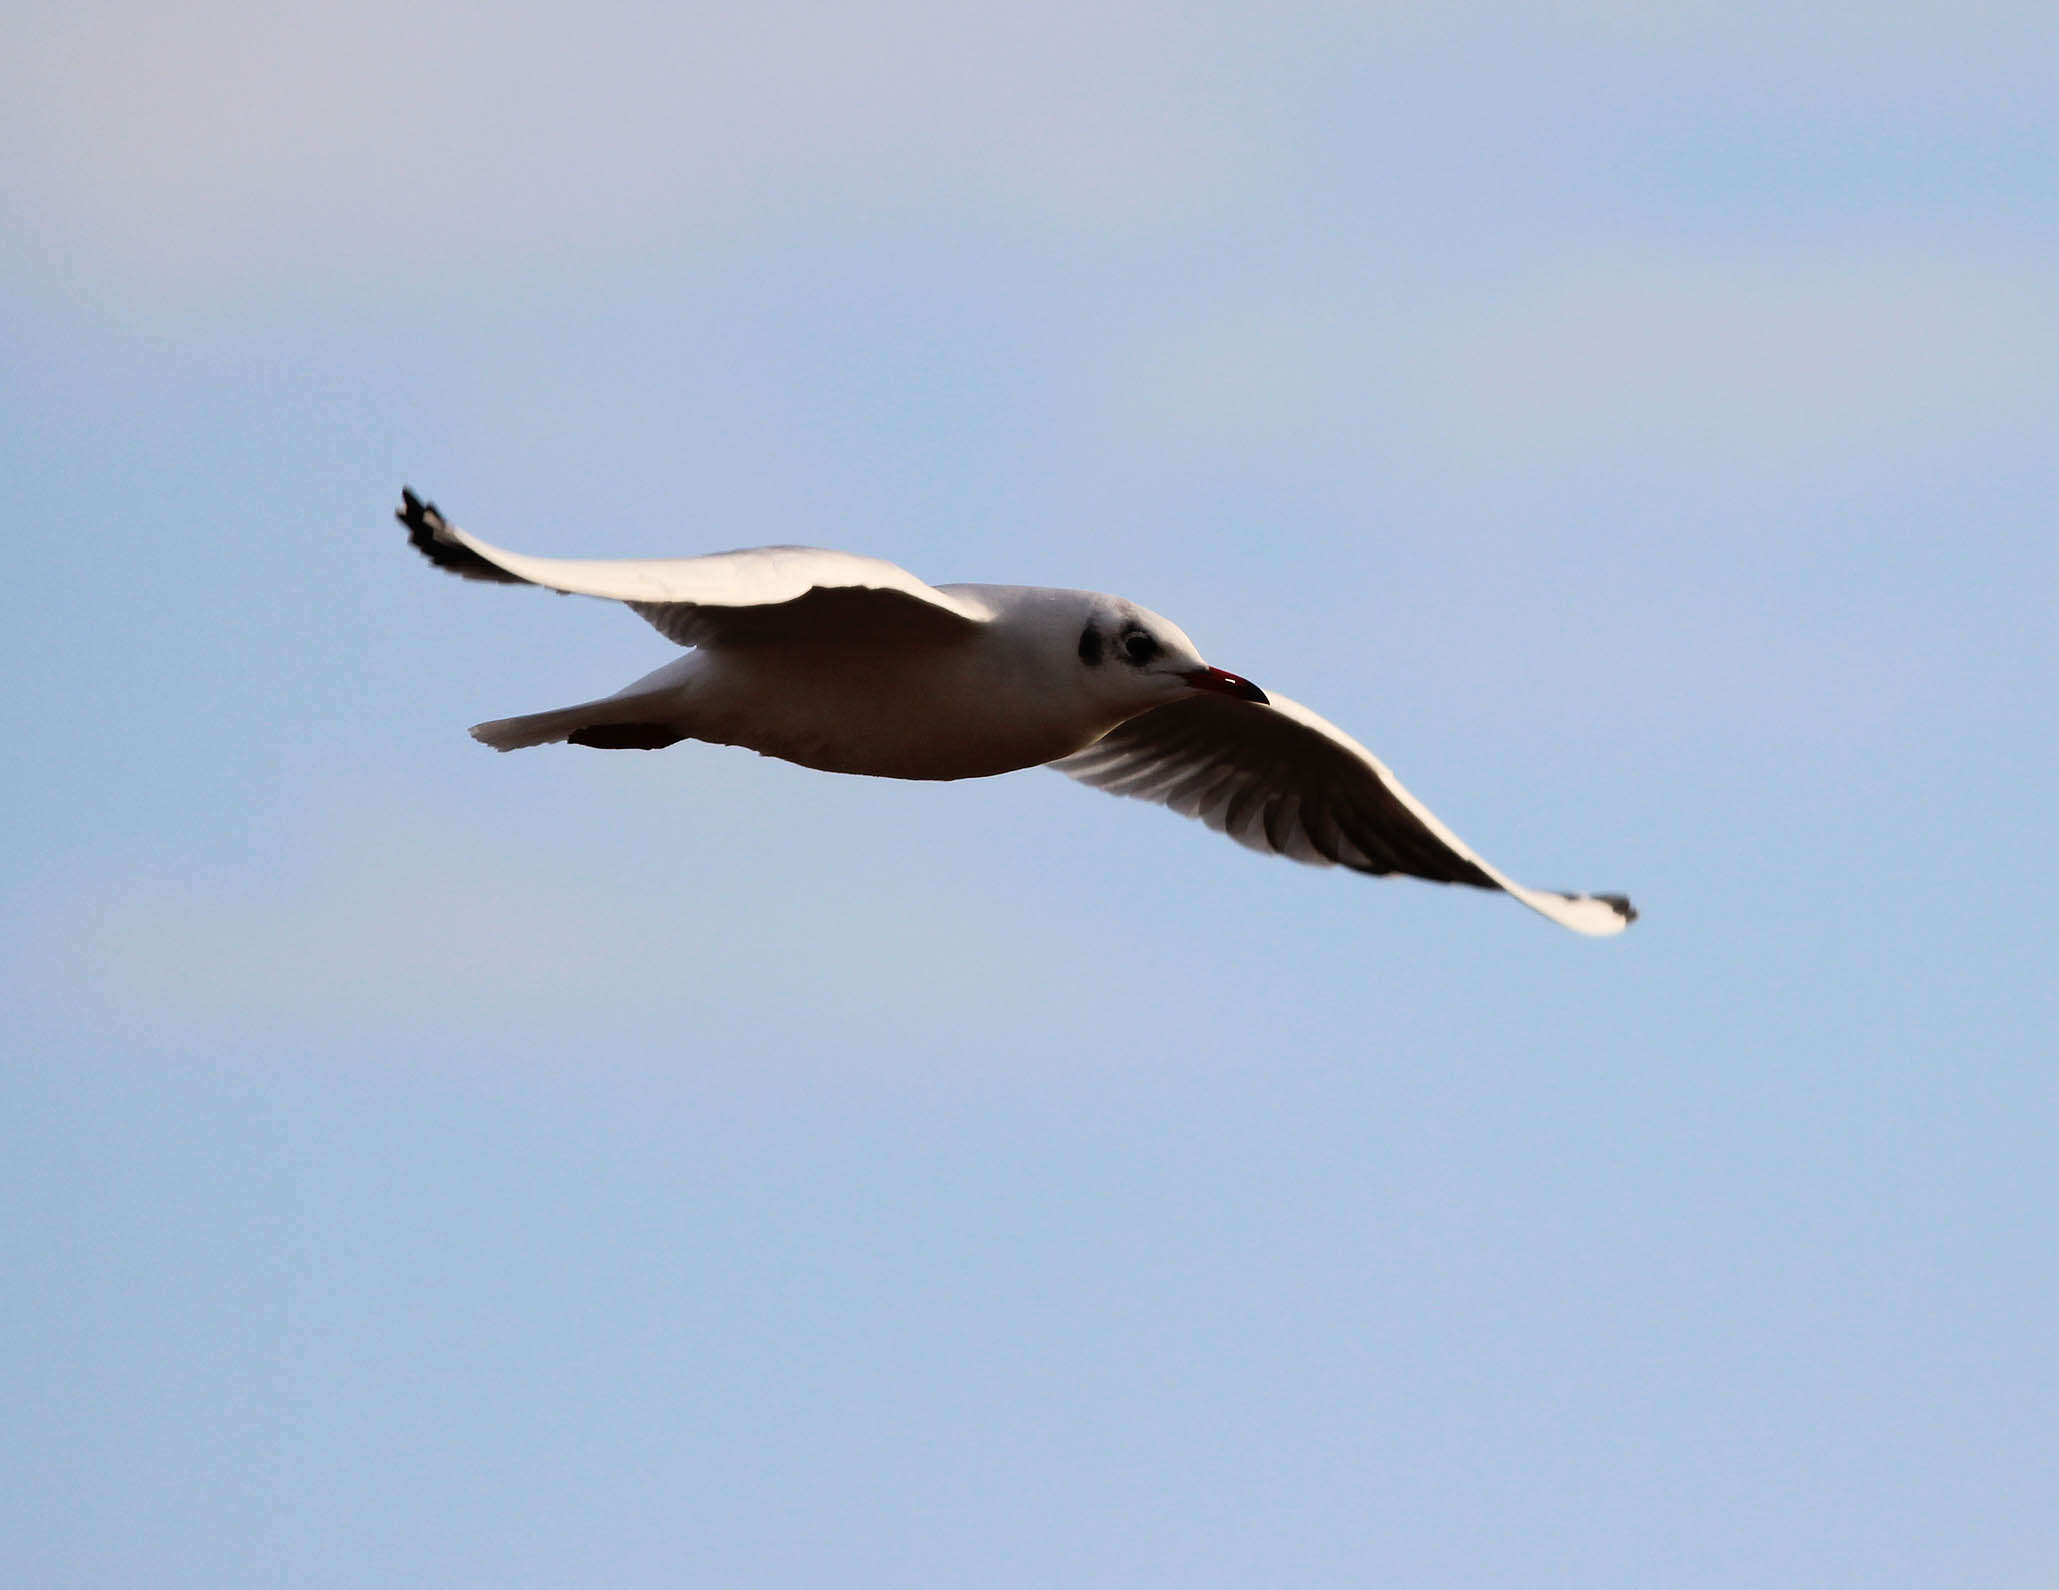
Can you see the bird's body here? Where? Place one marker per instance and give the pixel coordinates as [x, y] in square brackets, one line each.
[959, 704]
[852, 665]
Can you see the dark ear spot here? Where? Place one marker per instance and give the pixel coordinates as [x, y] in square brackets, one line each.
[1090, 646]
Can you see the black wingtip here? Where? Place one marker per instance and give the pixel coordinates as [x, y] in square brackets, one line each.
[1620, 904]
[427, 534]
[425, 526]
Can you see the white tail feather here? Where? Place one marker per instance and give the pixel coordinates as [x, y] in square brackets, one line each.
[656, 700]
[543, 728]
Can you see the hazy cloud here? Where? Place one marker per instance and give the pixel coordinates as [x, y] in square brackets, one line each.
[229, 135]
[1787, 354]
[1825, 356]
[379, 915]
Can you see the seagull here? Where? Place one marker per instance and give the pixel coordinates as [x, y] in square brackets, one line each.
[852, 665]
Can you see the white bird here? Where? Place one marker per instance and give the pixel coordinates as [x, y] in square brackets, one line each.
[852, 665]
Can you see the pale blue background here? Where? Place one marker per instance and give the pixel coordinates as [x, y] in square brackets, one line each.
[421, 1167]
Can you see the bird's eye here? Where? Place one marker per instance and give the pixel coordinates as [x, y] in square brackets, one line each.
[1139, 646]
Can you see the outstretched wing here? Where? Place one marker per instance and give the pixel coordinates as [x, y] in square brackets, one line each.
[1282, 780]
[767, 594]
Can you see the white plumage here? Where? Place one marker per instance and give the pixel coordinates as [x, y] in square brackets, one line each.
[852, 665]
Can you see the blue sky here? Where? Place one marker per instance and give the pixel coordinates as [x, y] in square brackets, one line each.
[1636, 423]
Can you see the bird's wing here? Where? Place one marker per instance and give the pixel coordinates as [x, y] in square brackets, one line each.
[767, 594]
[1282, 780]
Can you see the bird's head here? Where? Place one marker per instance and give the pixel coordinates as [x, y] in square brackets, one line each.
[1131, 654]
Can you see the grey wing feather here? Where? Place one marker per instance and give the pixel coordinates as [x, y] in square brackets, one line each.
[1282, 780]
[764, 594]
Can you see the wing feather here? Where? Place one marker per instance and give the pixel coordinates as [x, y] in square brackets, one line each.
[1280, 779]
[762, 595]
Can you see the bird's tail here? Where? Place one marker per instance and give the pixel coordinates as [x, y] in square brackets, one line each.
[612, 724]
[644, 715]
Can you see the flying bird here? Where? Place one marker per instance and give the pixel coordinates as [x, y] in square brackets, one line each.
[852, 665]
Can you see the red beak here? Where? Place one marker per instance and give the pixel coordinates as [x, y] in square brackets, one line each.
[1219, 683]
